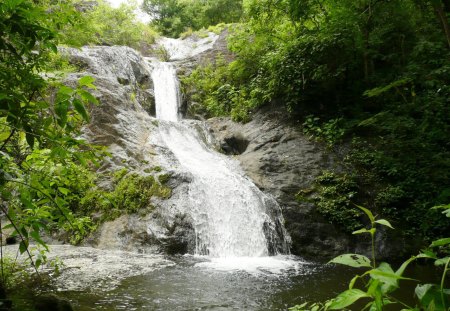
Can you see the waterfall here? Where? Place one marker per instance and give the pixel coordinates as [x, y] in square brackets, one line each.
[231, 216]
[167, 91]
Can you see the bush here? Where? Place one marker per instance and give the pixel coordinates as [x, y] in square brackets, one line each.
[334, 196]
[105, 25]
[131, 194]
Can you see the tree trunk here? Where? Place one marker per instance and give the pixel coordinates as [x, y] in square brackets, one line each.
[438, 7]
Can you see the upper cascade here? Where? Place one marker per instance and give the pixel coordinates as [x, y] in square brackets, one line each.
[167, 91]
[180, 49]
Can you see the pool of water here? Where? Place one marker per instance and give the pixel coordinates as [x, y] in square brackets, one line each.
[197, 284]
[95, 279]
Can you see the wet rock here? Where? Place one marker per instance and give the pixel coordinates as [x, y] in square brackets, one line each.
[11, 240]
[122, 121]
[52, 303]
[234, 144]
[180, 238]
[281, 160]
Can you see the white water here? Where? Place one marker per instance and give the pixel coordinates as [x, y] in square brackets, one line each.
[230, 214]
[167, 91]
[182, 49]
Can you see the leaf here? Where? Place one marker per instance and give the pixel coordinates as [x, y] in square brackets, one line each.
[402, 268]
[440, 242]
[30, 139]
[367, 212]
[61, 111]
[441, 261]
[63, 190]
[352, 282]
[384, 222]
[65, 90]
[79, 107]
[23, 246]
[386, 276]
[38, 263]
[352, 260]
[347, 298]
[430, 295]
[427, 254]
[86, 81]
[86, 96]
[29, 135]
[36, 236]
[363, 230]
[4, 135]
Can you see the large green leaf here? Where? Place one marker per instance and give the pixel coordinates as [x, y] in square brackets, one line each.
[347, 298]
[441, 261]
[4, 135]
[430, 295]
[364, 230]
[384, 222]
[23, 246]
[440, 242]
[86, 81]
[352, 260]
[367, 212]
[87, 97]
[386, 276]
[79, 107]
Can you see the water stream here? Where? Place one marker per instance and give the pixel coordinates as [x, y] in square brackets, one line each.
[232, 218]
[241, 259]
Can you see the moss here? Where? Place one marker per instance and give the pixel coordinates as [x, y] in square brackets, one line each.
[163, 178]
[131, 194]
[333, 195]
[118, 175]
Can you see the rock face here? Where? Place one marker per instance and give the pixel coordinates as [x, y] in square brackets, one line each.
[274, 154]
[123, 123]
[281, 160]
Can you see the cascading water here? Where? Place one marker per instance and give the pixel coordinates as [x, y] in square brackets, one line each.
[230, 214]
[167, 92]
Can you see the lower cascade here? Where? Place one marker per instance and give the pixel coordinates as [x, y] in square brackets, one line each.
[230, 215]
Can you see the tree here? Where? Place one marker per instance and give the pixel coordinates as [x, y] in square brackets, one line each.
[172, 17]
[39, 120]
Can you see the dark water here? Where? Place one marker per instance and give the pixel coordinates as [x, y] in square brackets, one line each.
[189, 287]
[186, 286]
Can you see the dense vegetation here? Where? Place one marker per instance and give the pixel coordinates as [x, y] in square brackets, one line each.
[373, 75]
[46, 170]
[100, 24]
[368, 77]
[40, 119]
[173, 17]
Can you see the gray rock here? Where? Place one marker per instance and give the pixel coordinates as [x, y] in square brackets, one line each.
[123, 123]
[281, 161]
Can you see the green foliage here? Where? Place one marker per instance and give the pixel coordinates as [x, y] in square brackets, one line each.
[330, 132]
[379, 282]
[213, 91]
[41, 160]
[58, 63]
[131, 194]
[333, 195]
[174, 17]
[105, 25]
[387, 88]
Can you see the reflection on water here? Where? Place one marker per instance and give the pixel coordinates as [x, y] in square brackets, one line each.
[196, 284]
